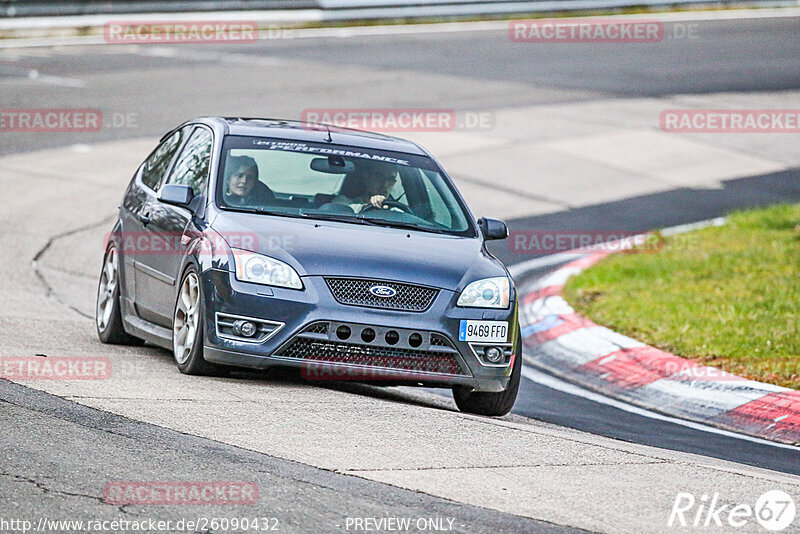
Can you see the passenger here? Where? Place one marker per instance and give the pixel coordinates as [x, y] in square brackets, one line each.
[368, 186]
[241, 186]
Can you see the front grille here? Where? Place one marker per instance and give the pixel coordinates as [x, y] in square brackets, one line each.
[356, 292]
[439, 341]
[379, 357]
[318, 328]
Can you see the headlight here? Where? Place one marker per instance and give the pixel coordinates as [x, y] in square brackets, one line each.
[252, 267]
[486, 293]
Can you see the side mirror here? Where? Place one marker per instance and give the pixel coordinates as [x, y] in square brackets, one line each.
[176, 194]
[493, 228]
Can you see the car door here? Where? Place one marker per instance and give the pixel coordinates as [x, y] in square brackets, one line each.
[167, 223]
[134, 214]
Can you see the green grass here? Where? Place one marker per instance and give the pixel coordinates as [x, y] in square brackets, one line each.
[726, 296]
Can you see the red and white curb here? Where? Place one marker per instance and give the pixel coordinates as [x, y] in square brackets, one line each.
[561, 342]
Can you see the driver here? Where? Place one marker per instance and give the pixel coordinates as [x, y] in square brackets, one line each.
[368, 186]
[241, 186]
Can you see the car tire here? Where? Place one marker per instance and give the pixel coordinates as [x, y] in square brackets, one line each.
[490, 403]
[187, 329]
[108, 315]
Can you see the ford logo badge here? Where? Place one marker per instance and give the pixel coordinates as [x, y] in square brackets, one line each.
[383, 291]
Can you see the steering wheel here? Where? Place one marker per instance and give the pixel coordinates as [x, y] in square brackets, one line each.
[391, 204]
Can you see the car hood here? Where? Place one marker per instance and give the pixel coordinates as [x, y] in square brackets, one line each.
[331, 248]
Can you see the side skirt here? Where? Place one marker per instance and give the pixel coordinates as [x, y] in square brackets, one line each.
[136, 326]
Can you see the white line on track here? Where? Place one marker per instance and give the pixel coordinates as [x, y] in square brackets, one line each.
[520, 269]
[550, 381]
[683, 228]
[36, 76]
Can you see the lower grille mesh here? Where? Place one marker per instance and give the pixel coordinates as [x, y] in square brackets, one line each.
[318, 328]
[379, 357]
[439, 341]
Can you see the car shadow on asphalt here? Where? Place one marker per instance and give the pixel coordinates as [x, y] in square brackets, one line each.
[143, 357]
[292, 377]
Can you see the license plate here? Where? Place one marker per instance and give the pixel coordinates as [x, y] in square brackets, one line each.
[485, 331]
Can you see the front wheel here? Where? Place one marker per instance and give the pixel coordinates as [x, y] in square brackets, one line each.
[491, 403]
[187, 329]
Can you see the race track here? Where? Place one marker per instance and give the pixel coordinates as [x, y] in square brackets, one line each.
[574, 143]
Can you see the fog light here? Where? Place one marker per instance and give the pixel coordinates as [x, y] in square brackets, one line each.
[343, 332]
[392, 337]
[415, 340]
[244, 328]
[493, 354]
[368, 335]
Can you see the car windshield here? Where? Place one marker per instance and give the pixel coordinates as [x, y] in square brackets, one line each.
[334, 182]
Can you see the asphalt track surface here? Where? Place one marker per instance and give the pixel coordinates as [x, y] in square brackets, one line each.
[726, 56]
[740, 56]
[53, 430]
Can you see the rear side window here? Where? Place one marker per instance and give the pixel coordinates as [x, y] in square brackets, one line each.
[192, 165]
[156, 165]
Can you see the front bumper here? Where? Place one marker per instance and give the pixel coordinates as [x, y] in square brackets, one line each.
[306, 329]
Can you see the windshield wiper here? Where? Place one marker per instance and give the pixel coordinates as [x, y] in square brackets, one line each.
[339, 218]
[401, 224]
[355, 219]
[260, 211]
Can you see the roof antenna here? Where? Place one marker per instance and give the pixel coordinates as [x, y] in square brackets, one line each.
[329, 139]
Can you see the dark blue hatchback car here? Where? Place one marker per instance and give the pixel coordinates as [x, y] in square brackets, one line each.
[351, 255]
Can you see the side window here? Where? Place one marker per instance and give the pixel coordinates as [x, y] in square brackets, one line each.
[192, 165]
[156, 165]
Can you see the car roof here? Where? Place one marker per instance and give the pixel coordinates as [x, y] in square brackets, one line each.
[313, 132]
